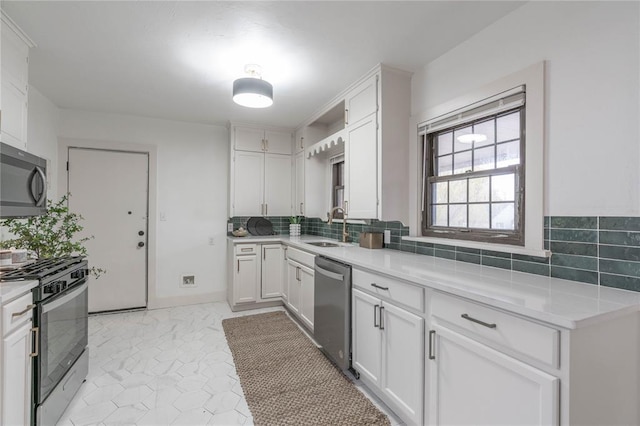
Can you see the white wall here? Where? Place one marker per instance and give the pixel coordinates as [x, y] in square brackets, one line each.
[192, 170]
[592, 51]
[42, 135]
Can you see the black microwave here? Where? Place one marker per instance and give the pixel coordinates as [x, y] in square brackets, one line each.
[23, 183]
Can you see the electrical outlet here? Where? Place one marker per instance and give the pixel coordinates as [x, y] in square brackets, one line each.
[188, 281]
[229, 227]
[387, 236]
[212, 241]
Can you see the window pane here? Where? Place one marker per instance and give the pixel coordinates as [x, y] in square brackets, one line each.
[458, 191]
[462, 146]
[440, 214]
[458, 215]
[508, 127]
[461, 162]
[444, 165]
[339, 198]
[485, 128]
[445, 143]
[503, 188]
[483, 158]
[479, 216]
[479, 189]
[502, 216]
[508, 153]
[440, 192]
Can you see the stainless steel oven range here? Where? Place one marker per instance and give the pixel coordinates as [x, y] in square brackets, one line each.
[61, 323]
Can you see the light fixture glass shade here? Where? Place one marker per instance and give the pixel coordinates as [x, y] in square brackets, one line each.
[252, 92]
[472, 137]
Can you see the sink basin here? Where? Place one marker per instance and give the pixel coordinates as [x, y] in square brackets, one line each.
[324, 244]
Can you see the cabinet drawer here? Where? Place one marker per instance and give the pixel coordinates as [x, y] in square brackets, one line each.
[17, 313]
[301, 257]
[246, 249]
[398, 291]
[526, 337]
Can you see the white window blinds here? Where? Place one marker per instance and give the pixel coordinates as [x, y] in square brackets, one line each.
[504, 101]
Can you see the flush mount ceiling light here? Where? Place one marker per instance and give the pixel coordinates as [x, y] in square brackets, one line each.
[472, 137]
[253, 91]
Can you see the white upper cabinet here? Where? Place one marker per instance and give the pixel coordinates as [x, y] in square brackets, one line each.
[261, 140]
[15, 85]
[361, 101]
[369, 124]
[260, 172]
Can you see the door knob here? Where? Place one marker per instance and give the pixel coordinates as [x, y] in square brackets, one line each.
[140, 244]
[141, 233]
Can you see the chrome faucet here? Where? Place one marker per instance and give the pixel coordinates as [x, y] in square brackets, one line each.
[345, 234]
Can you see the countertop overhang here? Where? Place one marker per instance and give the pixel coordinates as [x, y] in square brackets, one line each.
[563, 303]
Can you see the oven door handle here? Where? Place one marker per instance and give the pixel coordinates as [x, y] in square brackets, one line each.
[46, 307]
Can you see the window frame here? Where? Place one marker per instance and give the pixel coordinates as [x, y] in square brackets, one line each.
[503, 236]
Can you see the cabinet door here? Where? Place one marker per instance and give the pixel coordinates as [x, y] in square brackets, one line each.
[473, 384]
[403, 361]
[246, 279]
[298, 202]
[248, 184]
[272, 271]
[16, 384]
[366, 338]
[295, 286]
[361, 101]
[277, 185]
[307, 277]
[249, 139]
[277, 142]
[14, 115]
[361, 162]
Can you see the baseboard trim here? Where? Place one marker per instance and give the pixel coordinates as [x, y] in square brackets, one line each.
[169, 302]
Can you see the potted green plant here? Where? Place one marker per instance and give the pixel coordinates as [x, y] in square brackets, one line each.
[53, 234]
[295, 225]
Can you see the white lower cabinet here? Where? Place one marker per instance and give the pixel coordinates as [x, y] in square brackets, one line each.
[255, 275]
[473, 384]
[388, 352]
[300, 285]
[272, 271]
[17, 346]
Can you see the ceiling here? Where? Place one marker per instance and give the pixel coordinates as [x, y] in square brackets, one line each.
[177, 59]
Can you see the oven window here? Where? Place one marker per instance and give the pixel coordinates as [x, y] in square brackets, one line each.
[64, 328]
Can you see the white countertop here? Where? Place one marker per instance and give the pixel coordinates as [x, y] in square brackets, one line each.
[12, 289]
[563, 303]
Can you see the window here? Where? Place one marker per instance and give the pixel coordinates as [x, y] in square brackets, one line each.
[337, 185]
[473, 172]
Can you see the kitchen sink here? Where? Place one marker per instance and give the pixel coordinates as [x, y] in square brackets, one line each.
[324, 244]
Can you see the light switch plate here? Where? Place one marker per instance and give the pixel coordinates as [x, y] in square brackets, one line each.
[387, 236]
[229, 227]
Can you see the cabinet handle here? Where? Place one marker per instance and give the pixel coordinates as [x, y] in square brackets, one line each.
[266, 142]
[27, 309]
[263, 144]
[36, 337]
[380, 287]
[346, 116]
[381, 318]
[301, 208]
[432, 334]
[297, 274]
[375, 307]
[477, 321]
[302, 142]
[238, 265]
[346, 208]
[285, 253]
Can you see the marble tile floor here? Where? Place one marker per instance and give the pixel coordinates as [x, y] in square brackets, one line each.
[164, 367]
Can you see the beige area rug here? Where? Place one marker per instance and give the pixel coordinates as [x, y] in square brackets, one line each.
[288, 381]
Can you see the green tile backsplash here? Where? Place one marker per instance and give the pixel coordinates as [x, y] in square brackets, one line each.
[596, 250]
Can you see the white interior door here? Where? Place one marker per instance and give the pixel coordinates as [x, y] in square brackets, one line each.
[110, 190]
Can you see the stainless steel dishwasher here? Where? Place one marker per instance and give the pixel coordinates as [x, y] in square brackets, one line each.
[332, 310]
